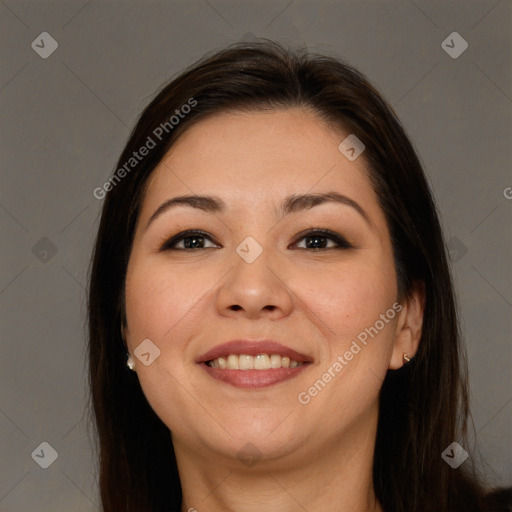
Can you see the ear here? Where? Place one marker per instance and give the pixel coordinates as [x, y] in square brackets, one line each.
[409, 326]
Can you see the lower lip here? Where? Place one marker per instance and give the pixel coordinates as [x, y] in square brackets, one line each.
[254, 378]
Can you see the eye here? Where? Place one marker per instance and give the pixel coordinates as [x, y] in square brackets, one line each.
[193, 239]
[315, 240]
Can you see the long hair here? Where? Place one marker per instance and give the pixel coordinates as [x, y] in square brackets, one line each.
[423, 406]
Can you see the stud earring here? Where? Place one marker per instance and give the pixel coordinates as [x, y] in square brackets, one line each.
[407, 359]
[130, 363]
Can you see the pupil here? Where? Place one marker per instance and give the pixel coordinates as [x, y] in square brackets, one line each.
[315, 240]
[189, 244]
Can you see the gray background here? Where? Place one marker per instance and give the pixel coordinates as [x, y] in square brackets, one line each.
[65, 120]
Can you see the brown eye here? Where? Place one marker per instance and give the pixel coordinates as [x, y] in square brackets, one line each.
[315, 240]
[192, 240]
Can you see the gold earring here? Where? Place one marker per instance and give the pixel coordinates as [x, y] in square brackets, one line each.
[407, 359]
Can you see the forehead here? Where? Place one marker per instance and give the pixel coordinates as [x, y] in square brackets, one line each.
[253, 157]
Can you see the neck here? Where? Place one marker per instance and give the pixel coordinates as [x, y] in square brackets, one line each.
[333, 477]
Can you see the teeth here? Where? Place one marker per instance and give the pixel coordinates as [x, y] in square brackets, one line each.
[245, 362]
[275, 361]
[259, 362]
[232, 362]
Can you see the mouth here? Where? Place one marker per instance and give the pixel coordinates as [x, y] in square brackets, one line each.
[258, 362]
[250, 364]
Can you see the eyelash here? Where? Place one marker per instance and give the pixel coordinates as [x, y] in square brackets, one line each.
[320, 233]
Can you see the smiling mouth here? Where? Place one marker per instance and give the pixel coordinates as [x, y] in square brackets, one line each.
[259, 371]
[249, 362]
[246, 363]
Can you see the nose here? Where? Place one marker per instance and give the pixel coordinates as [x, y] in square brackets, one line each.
[255, 288]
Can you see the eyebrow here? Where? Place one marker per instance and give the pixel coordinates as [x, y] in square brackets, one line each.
[291, 204]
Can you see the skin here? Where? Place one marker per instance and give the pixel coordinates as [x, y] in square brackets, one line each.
[314, 456]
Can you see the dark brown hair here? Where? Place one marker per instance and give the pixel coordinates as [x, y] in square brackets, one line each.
[423, 406]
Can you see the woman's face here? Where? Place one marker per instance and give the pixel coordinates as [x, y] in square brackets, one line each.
[255, 274]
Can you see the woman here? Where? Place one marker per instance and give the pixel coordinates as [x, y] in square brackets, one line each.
[271, 263]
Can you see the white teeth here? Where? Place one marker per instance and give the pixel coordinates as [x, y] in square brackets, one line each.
[245, 362]
[262, 362]
[232, 362]
[275, 361]
[259, 362]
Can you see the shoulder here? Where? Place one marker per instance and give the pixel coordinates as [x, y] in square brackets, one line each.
[499, 500]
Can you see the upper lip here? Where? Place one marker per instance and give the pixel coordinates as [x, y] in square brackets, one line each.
[252, 348]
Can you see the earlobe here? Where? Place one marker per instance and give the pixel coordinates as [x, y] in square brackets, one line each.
[409, 327]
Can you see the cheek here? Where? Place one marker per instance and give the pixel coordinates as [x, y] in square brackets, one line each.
[347, 298]
[164, 306]
[353, 306]
[158, 299]
[358, 309]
